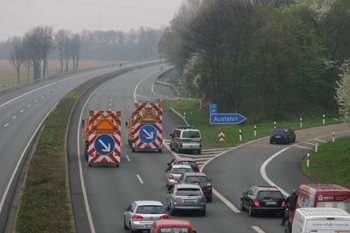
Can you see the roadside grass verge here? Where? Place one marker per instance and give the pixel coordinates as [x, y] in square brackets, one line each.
[200, 118]
[330, 164]
[45, 198]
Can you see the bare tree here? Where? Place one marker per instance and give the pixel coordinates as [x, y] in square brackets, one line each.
[47, 45]
[17, 58]
[60, 38]
[32, 48]
[66, 48]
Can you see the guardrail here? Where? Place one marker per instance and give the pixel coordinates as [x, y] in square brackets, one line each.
[165, 83]
[179, 115]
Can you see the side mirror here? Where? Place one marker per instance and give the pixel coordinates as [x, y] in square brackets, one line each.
[194, 231]
[209, 179]
[126, 124]
[171, 135]
[125, 209]
[168, 164]
[166, 170]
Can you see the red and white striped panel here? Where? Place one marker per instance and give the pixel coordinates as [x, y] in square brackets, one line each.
[115, 157]
[139, 111]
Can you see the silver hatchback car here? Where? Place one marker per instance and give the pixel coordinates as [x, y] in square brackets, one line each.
[174, 174]
[140, 215]
[188, 197]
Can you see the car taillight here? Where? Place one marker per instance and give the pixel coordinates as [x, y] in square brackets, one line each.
[269, 191]
[137, 216]
[285, 136]
[164, 217]
[200, 142]
[197, 168]
[271, 136]
[209, 186]
[171, 177]
[283, 203]
[180, 142]
[175, 192]
[256, 203]
[201, 193]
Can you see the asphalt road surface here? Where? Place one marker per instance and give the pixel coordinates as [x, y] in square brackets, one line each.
[99, 193]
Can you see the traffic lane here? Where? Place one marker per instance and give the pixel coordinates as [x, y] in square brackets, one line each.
[164, 91]
[235, 172]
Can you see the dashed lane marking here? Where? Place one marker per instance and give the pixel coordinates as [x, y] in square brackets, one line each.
[138, 177]
[257, 229]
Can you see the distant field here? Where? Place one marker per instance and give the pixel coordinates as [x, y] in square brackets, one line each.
[8, 74]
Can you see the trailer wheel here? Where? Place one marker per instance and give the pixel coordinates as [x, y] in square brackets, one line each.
[117, 165]
[160, 150]
[133, 150]
[89, 164]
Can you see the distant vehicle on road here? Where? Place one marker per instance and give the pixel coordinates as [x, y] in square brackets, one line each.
[174, 174]
[186, 138]
[263, 199]
[184, 161]
[186, 197]
[140, 215]
[282, 135]
[200, 179]
[172, 226]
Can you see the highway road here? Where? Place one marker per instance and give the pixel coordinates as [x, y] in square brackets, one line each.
[22, 113]
[100, 192]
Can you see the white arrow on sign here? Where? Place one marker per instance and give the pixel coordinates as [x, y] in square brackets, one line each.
[149, 136]
[106, 149]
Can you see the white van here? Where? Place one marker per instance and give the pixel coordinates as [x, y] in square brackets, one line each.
[320, 220]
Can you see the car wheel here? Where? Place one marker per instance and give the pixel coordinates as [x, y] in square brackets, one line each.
[125, 226]
[177, 150]
[131, 230]
[288, 141]
[250, 211]
[89, 164]
[203, 212]
[241, 205]
[294, 138]
[172, 212]
[160, 150]
[169, 187]
[117, 165]
[199, 151]
[171, 147]
[209, 199]
[271, 142]
[133, 149]
[86, 156]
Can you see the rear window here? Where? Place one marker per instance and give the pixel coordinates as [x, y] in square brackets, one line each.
[273, 195]
[188, 192]
[195, 179]
[279, 131]
[187, 163]
[190, 134]
[174, 230]
[150, 209]
[181, 170]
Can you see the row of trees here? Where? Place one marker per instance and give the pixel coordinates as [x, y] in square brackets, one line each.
[262, 58]
[41, 42]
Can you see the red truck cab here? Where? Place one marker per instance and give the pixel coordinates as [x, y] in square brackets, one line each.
[172, 226]
[319, 195]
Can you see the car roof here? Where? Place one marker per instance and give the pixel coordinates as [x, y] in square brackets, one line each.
[185, 159]
[172, 223]
[267, 188]
[281, 128]
[148, 202]
[181, 166]
[194, 174]
[187, 186]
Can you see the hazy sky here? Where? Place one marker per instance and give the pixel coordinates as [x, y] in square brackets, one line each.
[17, 16]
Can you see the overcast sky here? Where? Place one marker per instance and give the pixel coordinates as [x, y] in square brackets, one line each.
[17, 16]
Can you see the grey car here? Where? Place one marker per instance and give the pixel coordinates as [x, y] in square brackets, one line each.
[200, 179]
[174, 174]
[187, 197]
[140, 215]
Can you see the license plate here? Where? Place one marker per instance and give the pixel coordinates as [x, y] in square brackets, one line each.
[270, 203]
[189, 201]
[191, 142]
[148, 226]
[277, 136]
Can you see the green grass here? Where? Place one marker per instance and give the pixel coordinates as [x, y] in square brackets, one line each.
[330, 164]
[200, 119]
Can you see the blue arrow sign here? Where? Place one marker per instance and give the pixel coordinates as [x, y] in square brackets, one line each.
[148, 134]
[212, 108]
[104, 144]
[226, 118]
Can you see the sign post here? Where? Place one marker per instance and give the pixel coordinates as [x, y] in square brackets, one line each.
[212, 110]
[179, 103]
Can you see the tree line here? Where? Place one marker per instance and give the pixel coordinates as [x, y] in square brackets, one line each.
[261, 58]
[41, 43]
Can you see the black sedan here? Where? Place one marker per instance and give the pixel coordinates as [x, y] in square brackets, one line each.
[284, 135]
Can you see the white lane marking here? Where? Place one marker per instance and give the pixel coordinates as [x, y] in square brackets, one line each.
[135, 100]
[110, 109]
[28, 105]
[53, 90]
[36, 101]
[42, 96]
[309, 143]
[14, 117]
[22, 110]
[138, 177]
[48, 93]
[110, 104]
[223, 199]
[317, 139]
[127, 157]
[111, 100]
[201, 158]
[304, 147]
[5, 126]
[21, 158]
[257, 229]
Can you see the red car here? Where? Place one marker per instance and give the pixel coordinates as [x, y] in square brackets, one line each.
[172, 226]
[184, 161]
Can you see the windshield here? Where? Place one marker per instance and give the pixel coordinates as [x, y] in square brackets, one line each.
[174, 230]
[196, 179]
[181, 170]
[149, 209]
[188, 192]
[187, 163]
[272, 195]
[190, 134]
[279, 131]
